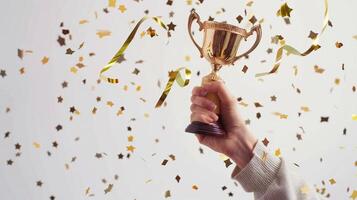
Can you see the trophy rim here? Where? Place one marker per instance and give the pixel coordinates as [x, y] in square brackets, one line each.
[224, 27]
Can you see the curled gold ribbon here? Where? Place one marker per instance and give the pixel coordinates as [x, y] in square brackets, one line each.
[122, 49]
[291, 50]
[174, 76]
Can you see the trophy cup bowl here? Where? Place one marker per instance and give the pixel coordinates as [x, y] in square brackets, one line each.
[220, 47]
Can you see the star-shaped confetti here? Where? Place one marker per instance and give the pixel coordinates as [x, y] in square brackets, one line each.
[150, 31]
[284, 10]
[171, 26]
[111, 3]
[3, 73]
[130, 148]
[122, 8]
[44, 60]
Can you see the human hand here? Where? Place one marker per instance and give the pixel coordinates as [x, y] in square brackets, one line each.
[238, 142]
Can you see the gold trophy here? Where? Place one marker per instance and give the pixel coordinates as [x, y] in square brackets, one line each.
[220, 45]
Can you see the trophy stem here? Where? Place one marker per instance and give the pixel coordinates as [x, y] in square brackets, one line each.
[216, 67]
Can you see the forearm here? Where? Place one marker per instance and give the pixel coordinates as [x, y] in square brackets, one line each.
[269, 178]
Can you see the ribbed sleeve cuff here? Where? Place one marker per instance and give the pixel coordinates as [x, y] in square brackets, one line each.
[261, 170]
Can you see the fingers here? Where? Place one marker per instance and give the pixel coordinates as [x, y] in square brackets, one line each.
[219, 88]
[203, 117]
[198, 110]
[200, 91]
[203, 102]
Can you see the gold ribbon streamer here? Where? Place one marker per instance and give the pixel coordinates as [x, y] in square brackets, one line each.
[174, 76]
[291, 50]
[123, 48]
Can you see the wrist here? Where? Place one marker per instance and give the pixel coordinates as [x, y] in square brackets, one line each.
[242, 151]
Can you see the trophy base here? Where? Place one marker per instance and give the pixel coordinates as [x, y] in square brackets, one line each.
[214, 129]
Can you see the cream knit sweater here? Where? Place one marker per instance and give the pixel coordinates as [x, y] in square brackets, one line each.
[270, 178]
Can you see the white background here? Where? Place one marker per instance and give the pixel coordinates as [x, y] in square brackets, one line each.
[32, 98]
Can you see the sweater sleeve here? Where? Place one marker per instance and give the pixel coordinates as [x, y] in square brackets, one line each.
[269, 178]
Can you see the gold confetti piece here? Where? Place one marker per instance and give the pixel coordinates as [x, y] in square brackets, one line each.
[164, 162]
[305, 108]
[73, 70]
[338, 44]
[120, 111]
[22, 70]
[291, 50]
[295, 70]
[94, 110]
[265, 142]
[195, 187]
[150, 31]
[83, 21]
[354, 117]
[174, 76]
[187, 58]
[257, 105]
[142, 34]
[354, 37]
[130, 138]
[277, 152]
[178, 178]
[243, 104]
[249, 3]
[324, 119]
[111, 3]
[36, 145]
[122, 8]
[108, 189]
[312, 35]
[318, 69]
[103, 33]
[87, 191]
[124, 46]
[337, 81]
[304, 189]
[284, 10]
[130, 148]
[110, 103]
[223, 157]
[281, 115]
[228, 162]
[354, 195]
[172, 157]
[45, 60]
[167, 194]
[245, 69]
[332, 181]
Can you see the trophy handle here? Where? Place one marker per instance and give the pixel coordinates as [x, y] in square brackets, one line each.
[192, 17]
[258, 30]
